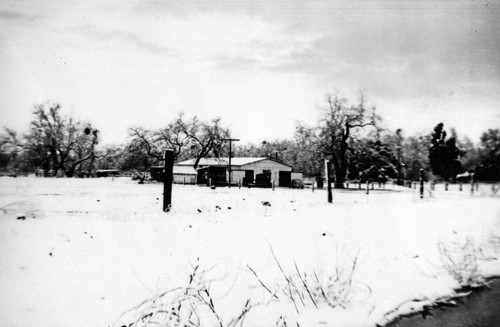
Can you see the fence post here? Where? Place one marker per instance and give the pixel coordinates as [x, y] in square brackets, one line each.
[367, 187]
[446, 186]
[460, 186]
[329, 180]
[421, 183]
[167, 180]
[472, 183]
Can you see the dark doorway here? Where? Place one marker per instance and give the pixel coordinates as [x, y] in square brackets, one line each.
[212, 176]
[285, 178]
[248, 179]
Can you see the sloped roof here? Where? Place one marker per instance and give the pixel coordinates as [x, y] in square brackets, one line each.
[224, 161]
[184, 170]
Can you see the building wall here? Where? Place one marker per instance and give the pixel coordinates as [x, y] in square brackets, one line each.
[181, 179]
[260, 166]
[238, 175]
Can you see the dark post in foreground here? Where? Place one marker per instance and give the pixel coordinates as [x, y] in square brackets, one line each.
[421, 183]
[167, 180]
[328, 169]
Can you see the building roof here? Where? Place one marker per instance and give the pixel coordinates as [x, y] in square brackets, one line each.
[224, 161]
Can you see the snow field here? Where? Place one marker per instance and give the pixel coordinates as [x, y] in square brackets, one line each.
[89, 249]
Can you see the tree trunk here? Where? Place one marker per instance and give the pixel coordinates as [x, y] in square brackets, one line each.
[55, 161]
[340, 173]
[70, 172]
[341, 160]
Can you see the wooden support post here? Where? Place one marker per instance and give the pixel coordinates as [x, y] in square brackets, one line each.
[231, 140]
[367, 187]
[446, 186]
[167, 180]
[472, 183]
[460, 187]
[421, 183]
[329, 180]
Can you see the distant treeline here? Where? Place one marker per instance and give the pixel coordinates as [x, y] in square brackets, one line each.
[349, 136]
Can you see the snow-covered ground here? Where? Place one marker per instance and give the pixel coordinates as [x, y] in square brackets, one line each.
[88, 250]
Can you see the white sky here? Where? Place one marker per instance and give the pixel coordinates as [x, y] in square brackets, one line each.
[260, 65]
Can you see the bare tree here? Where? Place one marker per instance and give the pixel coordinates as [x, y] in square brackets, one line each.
[146, 139]
[174, 137]
[340, 124]
[192, 137]
[10, 146]
[204, 137]
[54, 141]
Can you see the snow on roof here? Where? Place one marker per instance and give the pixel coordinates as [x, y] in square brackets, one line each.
[238, 161]
[184, 170]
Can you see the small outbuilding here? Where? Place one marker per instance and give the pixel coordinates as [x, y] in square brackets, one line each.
[181, 174]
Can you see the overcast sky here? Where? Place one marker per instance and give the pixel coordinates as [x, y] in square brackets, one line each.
[262, 66]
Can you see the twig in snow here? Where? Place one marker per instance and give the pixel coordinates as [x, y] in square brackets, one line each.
[305, 285]
[261, 283]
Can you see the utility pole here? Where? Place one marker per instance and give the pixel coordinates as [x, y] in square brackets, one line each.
[230, 154]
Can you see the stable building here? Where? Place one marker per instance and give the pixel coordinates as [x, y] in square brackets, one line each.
[248, 171]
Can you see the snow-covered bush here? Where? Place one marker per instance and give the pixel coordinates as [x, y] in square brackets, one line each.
[309, 289]
[312, 290]
[189, 306]
[461, 261]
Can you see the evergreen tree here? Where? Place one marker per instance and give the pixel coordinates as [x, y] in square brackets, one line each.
[443, 154]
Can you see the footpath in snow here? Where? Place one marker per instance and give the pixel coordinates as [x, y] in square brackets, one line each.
[99, 252]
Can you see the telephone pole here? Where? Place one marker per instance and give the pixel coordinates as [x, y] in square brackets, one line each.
[230, 140]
